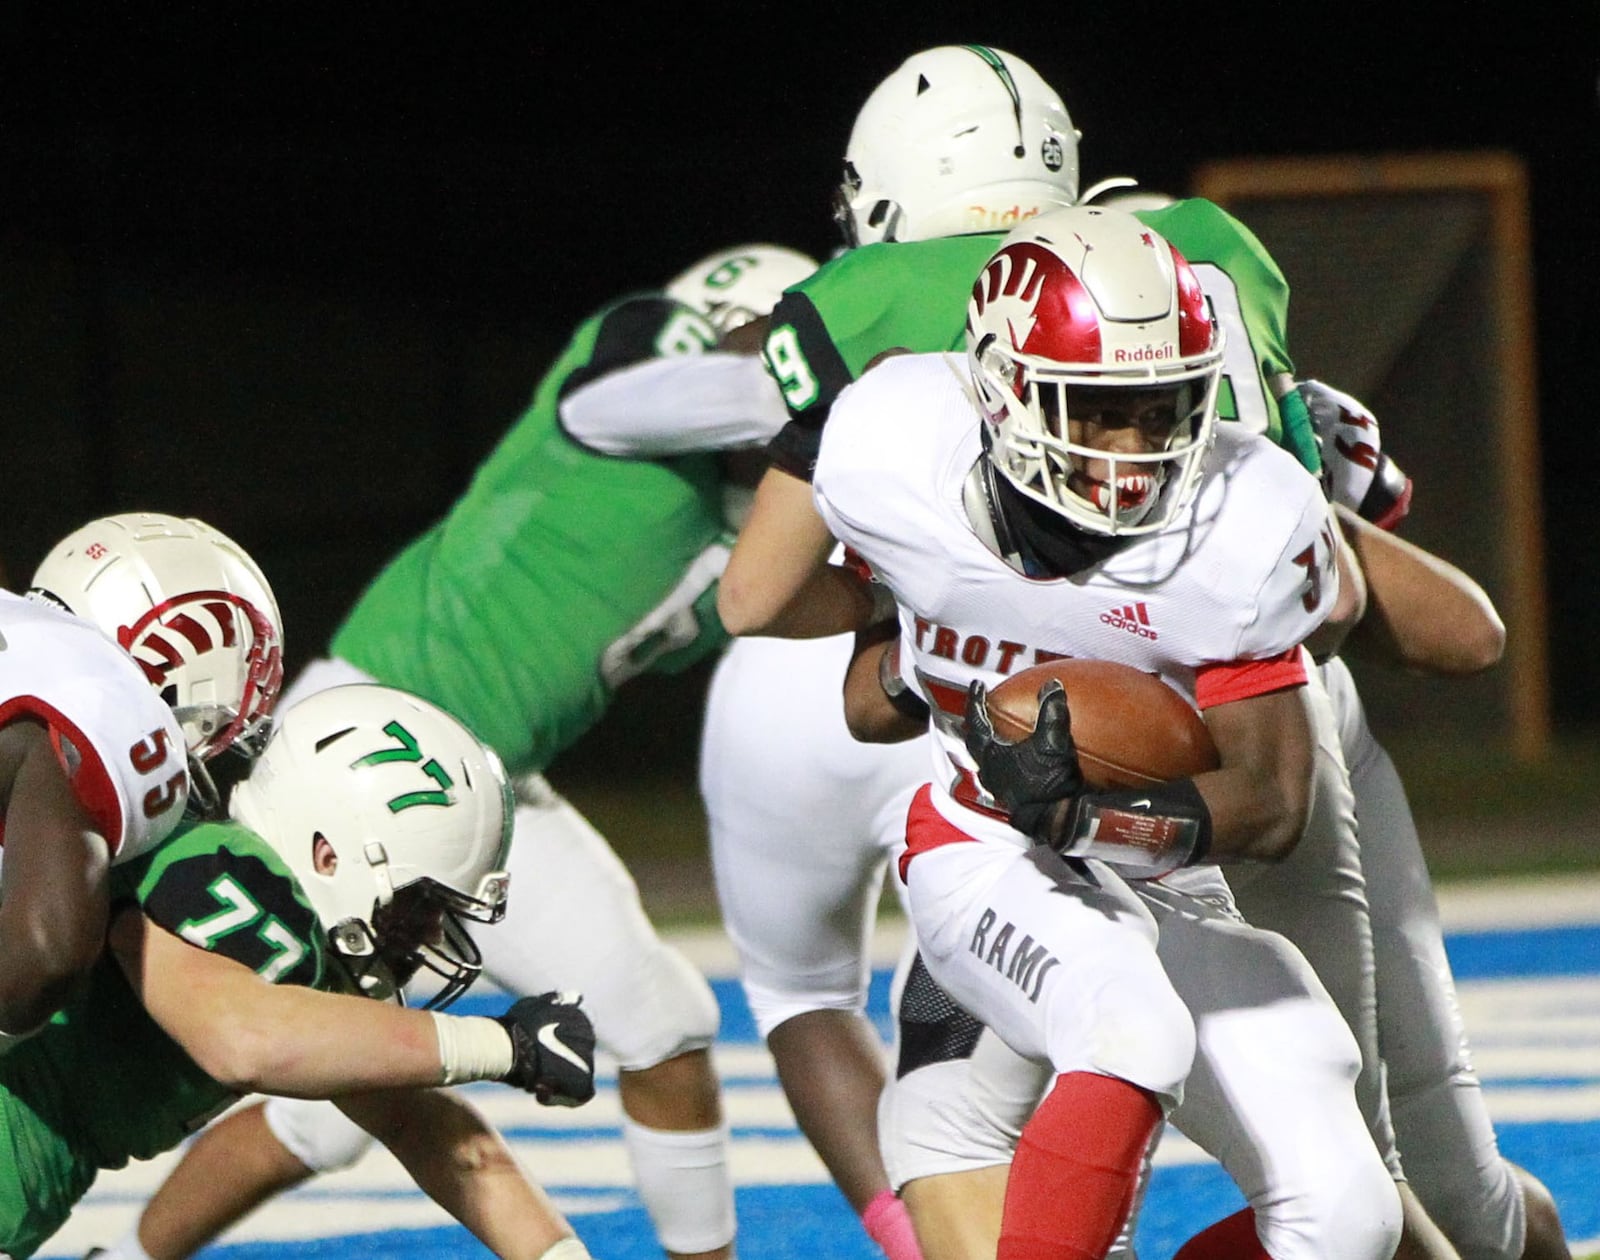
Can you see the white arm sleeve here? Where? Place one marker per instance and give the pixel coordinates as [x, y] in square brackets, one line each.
[676, 405]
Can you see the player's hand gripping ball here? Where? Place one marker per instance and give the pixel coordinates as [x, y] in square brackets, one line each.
[1129, 729]
[1029, 771]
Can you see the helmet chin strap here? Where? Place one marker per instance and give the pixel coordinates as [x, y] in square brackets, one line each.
[377, 859]
[979, 497]
[1031, 538]
[354, 936]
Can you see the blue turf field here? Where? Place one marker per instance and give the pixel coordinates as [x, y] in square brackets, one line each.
[1527, 962]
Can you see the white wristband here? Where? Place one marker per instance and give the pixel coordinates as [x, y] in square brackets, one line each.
[472, 1048]
[566, 1249]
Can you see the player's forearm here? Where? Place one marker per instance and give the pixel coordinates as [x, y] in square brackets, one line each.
[1260, 798]
[1254, 818]
[879, 708]
[1422, 611]
[676, 405]
[35, 980]
[256, 1037]
[461, 1163]
[53, 917]
[46, 947]
[301, 1043]
[777, 581]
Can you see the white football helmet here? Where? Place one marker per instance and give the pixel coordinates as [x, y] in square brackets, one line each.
[367, 792]
[734, 286]
[1132, 198]
[1085, 320]
[192, 609]
[961, 138]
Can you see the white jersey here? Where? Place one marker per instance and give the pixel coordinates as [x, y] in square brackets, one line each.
[119, 741]
[1217, 604]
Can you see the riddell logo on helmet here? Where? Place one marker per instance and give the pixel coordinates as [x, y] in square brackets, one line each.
[1145, 354]
[986, 220]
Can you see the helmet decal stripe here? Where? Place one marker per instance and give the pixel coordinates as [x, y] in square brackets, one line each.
[408, 750]
[994, 61]
[199, 637]
[224, 613]
[171, 655]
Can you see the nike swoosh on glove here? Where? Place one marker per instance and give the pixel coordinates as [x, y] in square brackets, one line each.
[552, 1045]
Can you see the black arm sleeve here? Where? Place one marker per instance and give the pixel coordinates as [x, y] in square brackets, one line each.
[801, 355]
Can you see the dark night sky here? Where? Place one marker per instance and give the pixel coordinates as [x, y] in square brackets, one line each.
[501, 161]
[528, 170]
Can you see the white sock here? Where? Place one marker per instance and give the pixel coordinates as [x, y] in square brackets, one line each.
[685, 1183]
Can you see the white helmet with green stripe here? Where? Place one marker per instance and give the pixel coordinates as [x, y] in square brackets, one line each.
[395, 820]
[961, 138]
[734, 286]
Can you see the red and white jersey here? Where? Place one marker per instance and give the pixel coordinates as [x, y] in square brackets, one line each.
[1217, 604]
[119, 741]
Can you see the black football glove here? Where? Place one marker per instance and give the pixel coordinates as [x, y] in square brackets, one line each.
[1029, 777]
[552, 1043]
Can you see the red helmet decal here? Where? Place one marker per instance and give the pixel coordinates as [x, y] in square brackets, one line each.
[1195, 332]
[183, 628]
[1045, 308]
[174, 631]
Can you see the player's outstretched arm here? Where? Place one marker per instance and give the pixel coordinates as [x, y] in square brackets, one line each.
[461, 1163]
[253, 1036]
[1260, 796]
[778, 580]
[1422, 612]
[53, 917]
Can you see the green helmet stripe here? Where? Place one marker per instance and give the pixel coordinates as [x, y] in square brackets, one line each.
[993, 60]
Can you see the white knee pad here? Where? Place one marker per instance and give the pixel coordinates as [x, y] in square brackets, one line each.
[684, 1181]
[316, 1133]
[574, 921]
[958, 1115]
[683, 1012]
[770, 1007]
[1357, 1217]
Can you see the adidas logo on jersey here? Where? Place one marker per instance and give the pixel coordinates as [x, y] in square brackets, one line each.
[1134, 618]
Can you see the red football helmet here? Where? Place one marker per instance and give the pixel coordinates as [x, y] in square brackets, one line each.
[1085, 322]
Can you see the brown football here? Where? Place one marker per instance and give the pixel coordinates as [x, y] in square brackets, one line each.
[1131, 729]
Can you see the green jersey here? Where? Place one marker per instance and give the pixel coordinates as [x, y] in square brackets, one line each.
[913, 295]
[561, 572]
[102, 1083]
